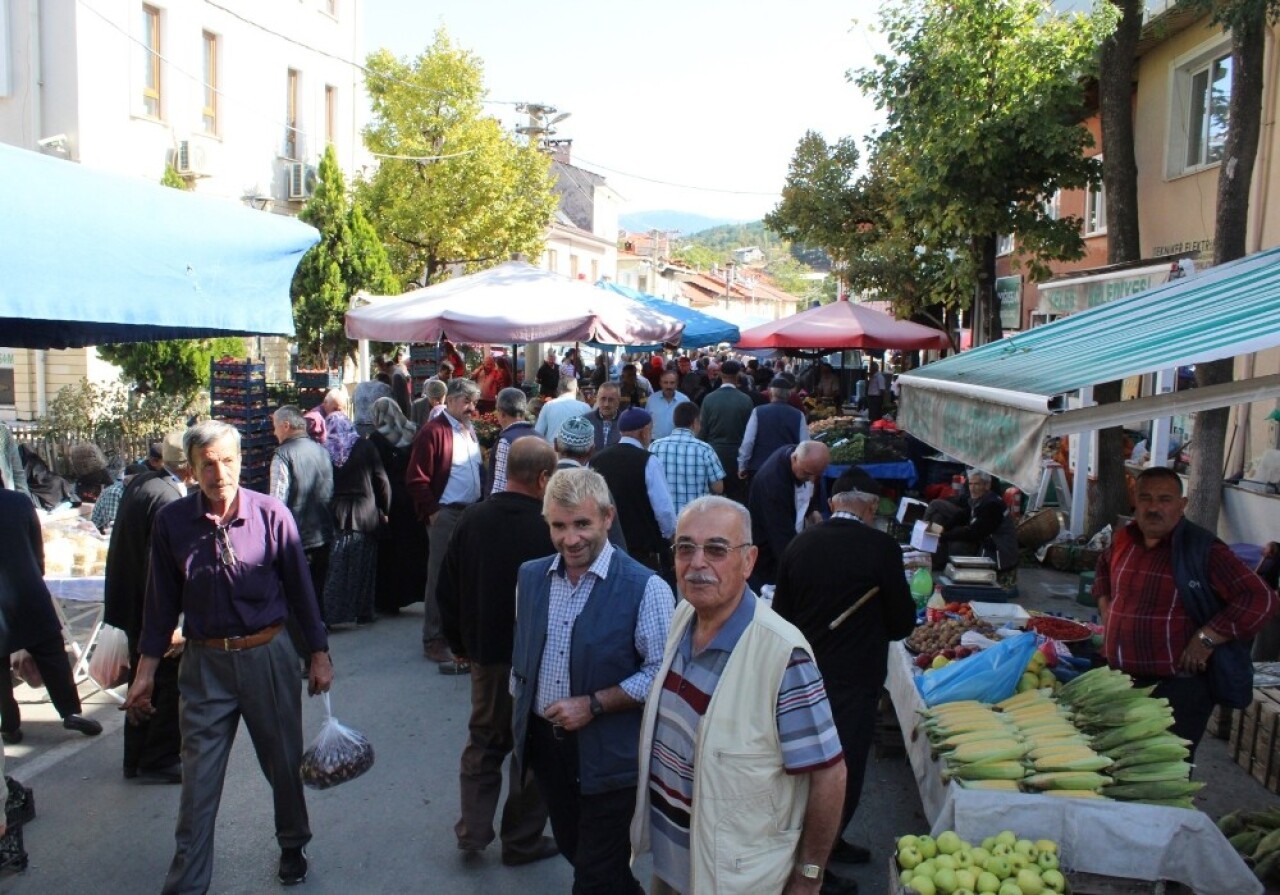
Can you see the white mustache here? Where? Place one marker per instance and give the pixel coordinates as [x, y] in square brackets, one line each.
[700, 579]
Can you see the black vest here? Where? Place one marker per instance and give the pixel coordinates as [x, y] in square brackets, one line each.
[310, 489]
[776, 425]
[623, 469]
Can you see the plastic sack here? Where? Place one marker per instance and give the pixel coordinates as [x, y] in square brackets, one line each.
[337, 754]
[109, 664]
[989, 676]
[24, 666]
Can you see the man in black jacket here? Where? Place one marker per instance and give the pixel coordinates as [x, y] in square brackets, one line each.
[826, 571]
[152, 747]
[477, 595]
[787, 494]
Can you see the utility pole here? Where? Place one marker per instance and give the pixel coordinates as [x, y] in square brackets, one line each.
[541, 122]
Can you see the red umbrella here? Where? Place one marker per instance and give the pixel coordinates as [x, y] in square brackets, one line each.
[843, 324]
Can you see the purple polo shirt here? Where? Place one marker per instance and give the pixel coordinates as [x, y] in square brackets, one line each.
[269, 576]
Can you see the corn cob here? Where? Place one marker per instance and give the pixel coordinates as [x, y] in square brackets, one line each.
[1184, 802]
[1152, 755]
[1093, 762]
[1138, 730]
[1152, 773]
[1044, 748]
[1023, 698]
[998, 785]
[995, 770]
[986, 752]
[1124, 713]
[1073, 793]
[1066, 780]
[1163, 789]
[1136, 746]
[976, 736]
[1267, 844]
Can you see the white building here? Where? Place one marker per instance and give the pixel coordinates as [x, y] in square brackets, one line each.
[241, 97]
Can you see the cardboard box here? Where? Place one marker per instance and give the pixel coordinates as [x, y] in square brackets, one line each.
[910, 510]
[924, 536]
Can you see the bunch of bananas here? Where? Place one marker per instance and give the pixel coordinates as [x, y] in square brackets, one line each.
[1256, 836]
[1126, 723]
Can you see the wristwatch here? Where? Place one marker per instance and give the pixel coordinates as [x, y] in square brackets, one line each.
[1206, 640]
[810, 871]
[596, 708]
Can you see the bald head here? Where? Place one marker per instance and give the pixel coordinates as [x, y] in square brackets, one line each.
[810, 460]
[530, 464]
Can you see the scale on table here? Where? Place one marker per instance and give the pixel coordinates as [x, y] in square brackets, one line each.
[979, 570]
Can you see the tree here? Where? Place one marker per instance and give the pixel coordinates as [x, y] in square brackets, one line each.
[982, 101]
[1247, 21]
[348, 258]
[451, 186]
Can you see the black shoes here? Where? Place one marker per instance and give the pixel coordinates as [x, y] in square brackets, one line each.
[454, 667]
[848, 853]
[12, 737]
[293, 866]
[86, 726]
[837, 885]
[546, 848]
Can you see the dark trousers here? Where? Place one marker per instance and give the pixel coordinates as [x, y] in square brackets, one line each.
[156, 743]
[1191, 703]
[592, 831]
[489, 742]
[50, 656]
[854, 711]
[875, 407]
[218, 688]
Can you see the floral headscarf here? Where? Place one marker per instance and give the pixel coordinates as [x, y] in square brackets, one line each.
[341, 436]
[390, 422]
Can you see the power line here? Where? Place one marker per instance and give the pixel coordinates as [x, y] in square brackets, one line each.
[682, 186]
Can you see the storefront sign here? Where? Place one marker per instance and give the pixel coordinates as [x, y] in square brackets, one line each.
[1009, 291]
[1079, 294]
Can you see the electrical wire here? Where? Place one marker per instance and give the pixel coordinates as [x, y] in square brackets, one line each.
[681, 186]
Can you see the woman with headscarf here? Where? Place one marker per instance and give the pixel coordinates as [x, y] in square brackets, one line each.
[361, 504]
[402, 549]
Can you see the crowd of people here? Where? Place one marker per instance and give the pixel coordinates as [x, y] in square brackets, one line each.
[595, 571]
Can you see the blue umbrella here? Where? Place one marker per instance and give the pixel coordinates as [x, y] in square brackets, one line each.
[699, 328]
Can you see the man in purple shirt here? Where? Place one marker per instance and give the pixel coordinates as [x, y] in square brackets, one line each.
[231, 562]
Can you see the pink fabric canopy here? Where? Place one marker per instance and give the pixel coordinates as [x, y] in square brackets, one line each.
[513, 302]
[843, 324]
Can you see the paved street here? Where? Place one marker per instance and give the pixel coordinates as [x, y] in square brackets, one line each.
[391, 830]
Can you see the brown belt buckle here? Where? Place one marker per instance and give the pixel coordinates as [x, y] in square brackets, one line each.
[226, 645]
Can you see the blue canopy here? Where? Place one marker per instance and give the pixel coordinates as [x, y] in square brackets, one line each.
[90, 257]
[699, 328]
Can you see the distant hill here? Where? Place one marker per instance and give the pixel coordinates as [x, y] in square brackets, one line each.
[683, 221]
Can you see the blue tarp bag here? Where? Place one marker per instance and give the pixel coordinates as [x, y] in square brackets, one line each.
[988, 676]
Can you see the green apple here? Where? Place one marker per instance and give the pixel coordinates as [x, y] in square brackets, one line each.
[966, 879]
[989, 842]
[1019, 861]
[980, 856]
[1047, 860]
[928, 847]
[945, 881]
[905, 876]
[908, 840]
[963, 858]
[927, 868]
[999, 866]
[963, 892]
[1029, 882]
[1002, 849]
[922, 885]
[945, 862]
[909, 857]
[988, 883]
[1008, 837]
[1024, 847]
[1054, 880]
[1009, 887]
[948, 843]
[1048, 845]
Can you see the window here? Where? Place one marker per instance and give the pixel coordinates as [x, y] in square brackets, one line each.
[1095, 209]
[1004, 244]
[1053, 206]
[595, 271]
[151, 61]
[7, 391]
[210, 111]
[291, 116]
[1201, 97]
[553, 261]
[573, 267]
[330, 113]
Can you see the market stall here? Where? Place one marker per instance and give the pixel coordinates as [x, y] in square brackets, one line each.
[1119, 839]
[843, 324]
[699, 328]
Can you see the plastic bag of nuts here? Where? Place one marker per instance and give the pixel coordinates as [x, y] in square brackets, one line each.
[337, 755]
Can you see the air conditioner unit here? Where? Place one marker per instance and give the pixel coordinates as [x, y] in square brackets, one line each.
[302, 180]
[190, 159]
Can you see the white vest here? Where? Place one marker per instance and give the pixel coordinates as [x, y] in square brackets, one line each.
[747, 811]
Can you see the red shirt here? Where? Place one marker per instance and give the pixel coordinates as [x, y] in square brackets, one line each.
[1147, 622]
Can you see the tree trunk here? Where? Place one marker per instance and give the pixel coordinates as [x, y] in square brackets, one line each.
[1107, 495]
[986, 304]
[1248, 42]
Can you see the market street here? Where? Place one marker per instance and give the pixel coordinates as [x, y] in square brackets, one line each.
[390, 830]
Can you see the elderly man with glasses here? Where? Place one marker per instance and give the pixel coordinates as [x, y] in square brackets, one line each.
[741, 778]
[230, 561]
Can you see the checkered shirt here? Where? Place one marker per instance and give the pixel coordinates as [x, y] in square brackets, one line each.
[690, 466]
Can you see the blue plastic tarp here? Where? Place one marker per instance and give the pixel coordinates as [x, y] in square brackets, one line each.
[90, 257]
[699, 328]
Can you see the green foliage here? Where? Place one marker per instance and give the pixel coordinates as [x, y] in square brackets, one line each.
[983, 101]
[172, 178]
[87, 410]
[348, 258]
[821, 200]
[178, 368]
[482, 196]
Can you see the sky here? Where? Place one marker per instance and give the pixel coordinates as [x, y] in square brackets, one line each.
[693, 106]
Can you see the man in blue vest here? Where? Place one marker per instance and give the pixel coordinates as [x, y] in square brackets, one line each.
[771, 426]
[591, 624]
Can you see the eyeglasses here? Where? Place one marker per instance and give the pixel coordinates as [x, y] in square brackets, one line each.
[714, 551]
[226, 555]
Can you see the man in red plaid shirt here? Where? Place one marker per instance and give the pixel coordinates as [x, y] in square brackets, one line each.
[1149, 633]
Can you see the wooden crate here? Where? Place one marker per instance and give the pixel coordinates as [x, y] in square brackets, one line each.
[1254, 740]
[1220, 722]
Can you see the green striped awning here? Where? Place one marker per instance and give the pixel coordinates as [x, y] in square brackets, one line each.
[991, 406]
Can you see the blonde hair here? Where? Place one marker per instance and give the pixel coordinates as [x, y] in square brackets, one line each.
[573, 487]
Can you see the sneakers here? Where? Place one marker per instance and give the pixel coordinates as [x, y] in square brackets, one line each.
[293, 866]
[86, 726]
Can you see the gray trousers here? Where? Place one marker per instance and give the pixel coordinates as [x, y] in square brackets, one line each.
[438, 534]
[217, 689]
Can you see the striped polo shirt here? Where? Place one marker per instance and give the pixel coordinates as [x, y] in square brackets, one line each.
[805, 729]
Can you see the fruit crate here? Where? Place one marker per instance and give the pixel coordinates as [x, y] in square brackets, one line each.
[1254, 740]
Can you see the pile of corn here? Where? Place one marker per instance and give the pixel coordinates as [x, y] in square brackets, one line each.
[1098, 738]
